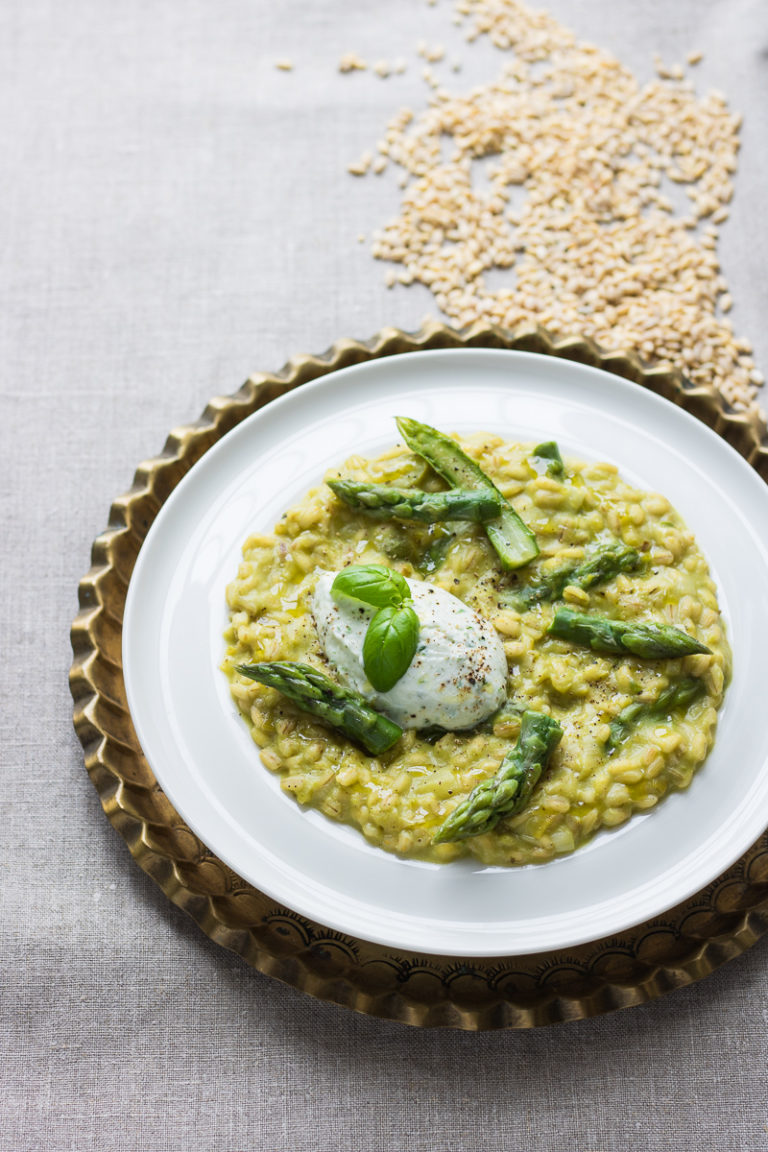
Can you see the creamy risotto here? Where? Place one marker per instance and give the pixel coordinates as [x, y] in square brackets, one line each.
[400, 798]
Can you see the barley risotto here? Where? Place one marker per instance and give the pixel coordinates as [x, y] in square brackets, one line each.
[632, 728]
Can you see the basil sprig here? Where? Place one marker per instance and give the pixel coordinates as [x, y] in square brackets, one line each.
[389, 645]
[393, 633]
[371, 584]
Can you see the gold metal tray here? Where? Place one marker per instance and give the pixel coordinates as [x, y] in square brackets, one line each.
[688, 942]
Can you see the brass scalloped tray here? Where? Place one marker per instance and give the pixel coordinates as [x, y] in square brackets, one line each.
[688, 942]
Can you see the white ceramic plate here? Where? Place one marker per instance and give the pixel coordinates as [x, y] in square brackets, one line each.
[202, 754]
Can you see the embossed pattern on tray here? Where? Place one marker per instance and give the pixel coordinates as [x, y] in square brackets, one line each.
[688, 942]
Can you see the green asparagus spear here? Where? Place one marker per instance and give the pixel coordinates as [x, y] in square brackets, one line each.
[348, 712]
[603, 565]
[435, 555]
[550, 452]
[384, 501]
[513, 540]
[677, 695]
[651, 641]
[511, 787]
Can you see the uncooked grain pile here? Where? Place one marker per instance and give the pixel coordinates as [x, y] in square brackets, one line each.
[574, 200]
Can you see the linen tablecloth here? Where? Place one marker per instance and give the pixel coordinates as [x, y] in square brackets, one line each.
[176, 213]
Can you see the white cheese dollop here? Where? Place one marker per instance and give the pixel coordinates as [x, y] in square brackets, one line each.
[457, 677]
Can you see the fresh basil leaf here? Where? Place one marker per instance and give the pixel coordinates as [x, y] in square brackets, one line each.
[389, 645]
[371, 584]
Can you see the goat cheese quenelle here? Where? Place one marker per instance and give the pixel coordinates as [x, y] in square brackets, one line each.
[457, 677]
[468, 646]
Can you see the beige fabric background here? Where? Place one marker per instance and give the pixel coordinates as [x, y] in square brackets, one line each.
[175, 213]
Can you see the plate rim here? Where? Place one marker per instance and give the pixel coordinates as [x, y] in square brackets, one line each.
[345, 909]
[233, 409]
